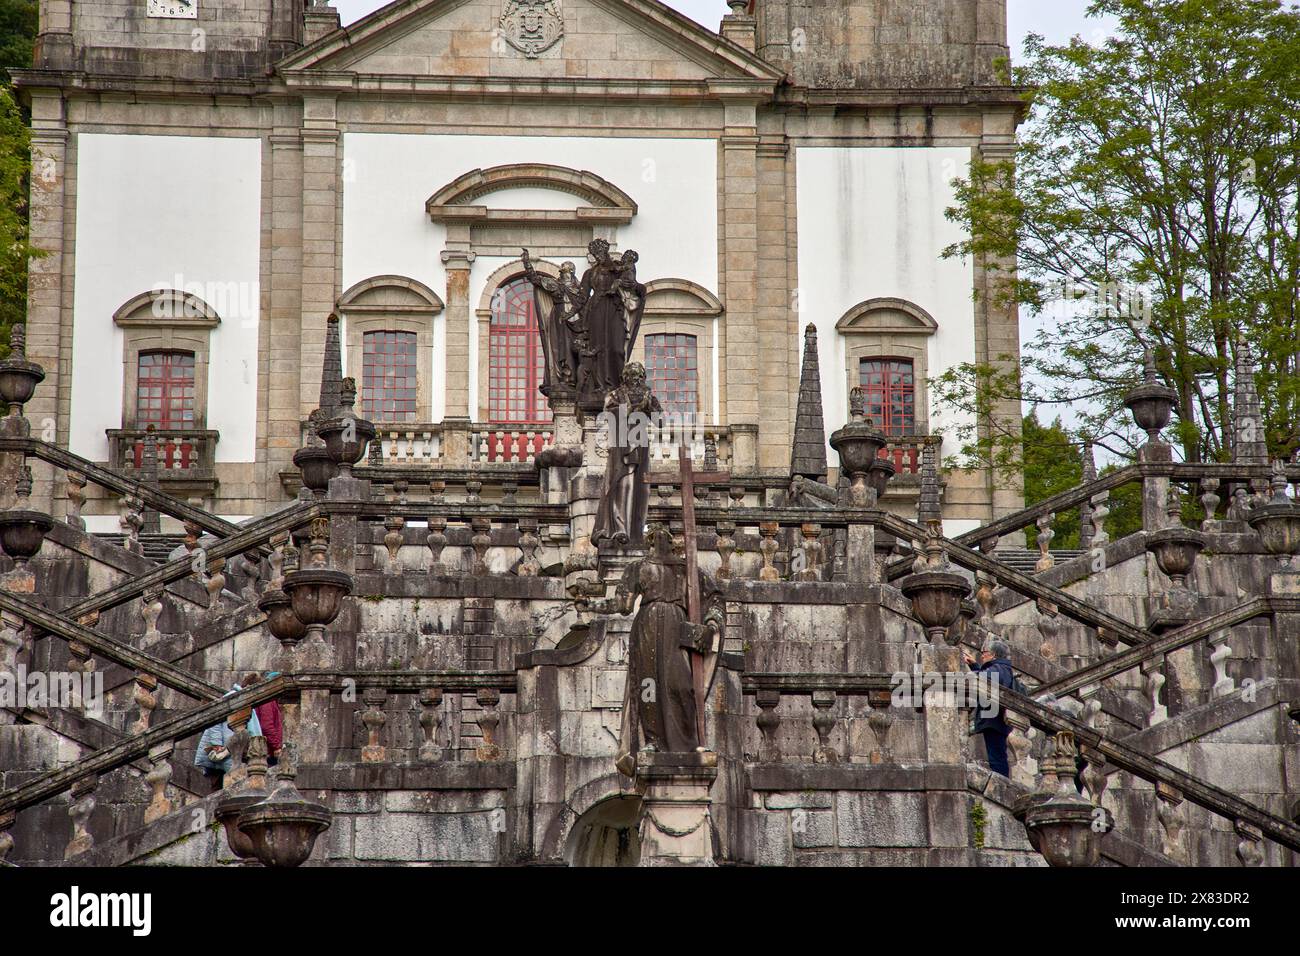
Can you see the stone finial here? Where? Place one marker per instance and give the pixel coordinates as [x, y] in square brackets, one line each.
[18, 342]
[1248, 445]
[1085, 508]
[331, 368]
[808, 455]
[927, 504]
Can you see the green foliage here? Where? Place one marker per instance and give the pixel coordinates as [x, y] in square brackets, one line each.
[1052, 464]
[14, 248]
[18, 24]
[979, 819]
[1165, 160]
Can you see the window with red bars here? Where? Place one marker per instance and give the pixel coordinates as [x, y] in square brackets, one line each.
[164, 394]
[673, 374]
[388, 376]
[516, 365]
[890, 390]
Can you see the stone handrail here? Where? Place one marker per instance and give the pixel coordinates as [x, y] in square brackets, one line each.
[152, 498]
[1049, 720]
[117, 651]
[1166, 643]
[1082, 494]
[54, 782]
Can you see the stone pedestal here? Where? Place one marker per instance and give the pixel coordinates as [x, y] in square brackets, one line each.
[675, 825]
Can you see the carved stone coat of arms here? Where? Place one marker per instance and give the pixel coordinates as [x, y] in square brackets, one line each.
[532, 26]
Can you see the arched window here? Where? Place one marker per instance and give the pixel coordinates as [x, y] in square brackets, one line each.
[515, 362]
[672, 372]
[388, 383]
[164, 395]
[890, 389]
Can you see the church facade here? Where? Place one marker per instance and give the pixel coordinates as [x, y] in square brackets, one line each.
[213, 178]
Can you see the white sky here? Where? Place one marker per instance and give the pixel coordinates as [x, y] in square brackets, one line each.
[1056, 19]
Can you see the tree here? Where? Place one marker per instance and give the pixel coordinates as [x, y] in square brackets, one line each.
[14, 179]
[18, 24]
[1052, 464]
[1155, 187]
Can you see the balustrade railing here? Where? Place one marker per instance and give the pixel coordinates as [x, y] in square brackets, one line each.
[184, 454]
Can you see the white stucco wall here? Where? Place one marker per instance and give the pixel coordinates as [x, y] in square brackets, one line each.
[389, 176]
[166, 212]
[871, 223]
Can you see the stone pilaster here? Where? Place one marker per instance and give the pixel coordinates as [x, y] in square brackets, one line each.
[321, 188]
[458, 258]
[739, 269]
[282, 322]
[676, 827]
[49, 310]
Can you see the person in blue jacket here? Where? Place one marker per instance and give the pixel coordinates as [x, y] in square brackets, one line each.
[214, 741]
[995, 662]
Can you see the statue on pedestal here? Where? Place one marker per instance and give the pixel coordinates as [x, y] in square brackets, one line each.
[630, 412]
[661, 700]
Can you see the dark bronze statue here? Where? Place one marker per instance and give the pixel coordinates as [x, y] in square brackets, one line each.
[630, 411]
[588, 328]
[559, 321]
[660, 700]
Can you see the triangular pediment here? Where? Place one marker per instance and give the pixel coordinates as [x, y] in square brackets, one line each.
[576, 40]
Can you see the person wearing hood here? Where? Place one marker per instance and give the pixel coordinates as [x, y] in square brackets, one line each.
[995, 663]
[212, 755]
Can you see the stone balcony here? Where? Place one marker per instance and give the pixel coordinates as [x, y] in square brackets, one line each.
[186, 458]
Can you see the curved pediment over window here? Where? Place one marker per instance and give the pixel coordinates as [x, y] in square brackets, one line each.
[680, 297]
[887, 315]
[169, 307]
[390, 294]
[460, 200]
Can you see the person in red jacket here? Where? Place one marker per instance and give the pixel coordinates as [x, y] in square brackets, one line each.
[268, 715]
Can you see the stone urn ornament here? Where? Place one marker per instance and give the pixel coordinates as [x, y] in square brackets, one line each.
[346, 436]
[1277, 521]
[18, 381]
[1151, 404]
[859, 444]
[937, 594]
[1062, 824]
[282, 829]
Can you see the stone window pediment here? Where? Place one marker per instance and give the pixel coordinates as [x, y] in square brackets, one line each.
[602, 203]
[887, 315]
[166, 308]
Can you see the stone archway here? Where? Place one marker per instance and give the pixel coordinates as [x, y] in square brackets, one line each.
[606, 835]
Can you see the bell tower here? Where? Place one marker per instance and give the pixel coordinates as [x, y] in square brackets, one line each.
[884, 44]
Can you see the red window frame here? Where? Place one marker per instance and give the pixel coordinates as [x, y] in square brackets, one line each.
[389, 375]
[673, 374]
[164, 391]
[516, 364]
[889, 385]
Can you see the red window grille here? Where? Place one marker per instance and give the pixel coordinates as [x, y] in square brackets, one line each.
[388, 376]
[673, 373]
[891, 394]
[164, 398]
[516, 365]
[164, 394]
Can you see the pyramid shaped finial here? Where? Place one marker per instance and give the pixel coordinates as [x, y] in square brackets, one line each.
[331, 368]
[1248, 444]
[808, 454]
[928, 508]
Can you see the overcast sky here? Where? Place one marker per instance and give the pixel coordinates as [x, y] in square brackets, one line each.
[1055, 19]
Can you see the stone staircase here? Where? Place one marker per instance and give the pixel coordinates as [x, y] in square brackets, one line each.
[156, 546]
